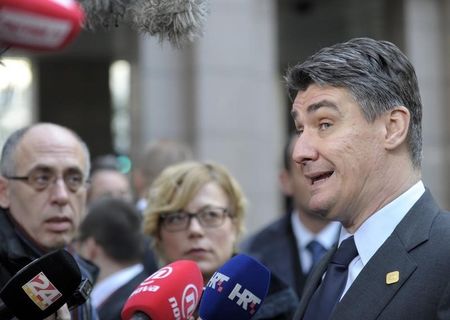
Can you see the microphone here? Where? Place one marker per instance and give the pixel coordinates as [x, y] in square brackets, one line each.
[42, 25]
[172, 292]
[178, 21]
[236, 290]
[40, 288]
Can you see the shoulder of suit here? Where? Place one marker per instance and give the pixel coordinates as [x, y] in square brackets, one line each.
[274, 232]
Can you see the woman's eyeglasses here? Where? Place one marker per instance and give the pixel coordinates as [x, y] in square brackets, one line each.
[210, 217]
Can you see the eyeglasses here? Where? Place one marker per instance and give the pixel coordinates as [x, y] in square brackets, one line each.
[210, 217]
[40, 179]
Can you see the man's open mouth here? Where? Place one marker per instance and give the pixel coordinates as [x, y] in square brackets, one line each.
[321, 177]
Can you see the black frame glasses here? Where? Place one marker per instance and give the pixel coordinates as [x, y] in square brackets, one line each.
[208, 217]
[40, 179]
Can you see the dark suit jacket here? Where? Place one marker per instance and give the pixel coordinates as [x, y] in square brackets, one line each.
[419, 249]
[276, 247]
[111, 308]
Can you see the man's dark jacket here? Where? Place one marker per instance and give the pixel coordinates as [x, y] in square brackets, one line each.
[16, 251]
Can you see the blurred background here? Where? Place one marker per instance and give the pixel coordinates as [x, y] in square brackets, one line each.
[223, 94]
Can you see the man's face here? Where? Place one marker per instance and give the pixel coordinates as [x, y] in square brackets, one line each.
[339, 152]
[52, 215]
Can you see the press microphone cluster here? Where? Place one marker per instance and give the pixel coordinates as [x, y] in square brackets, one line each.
[42, 287]
[50, 25]
[172, 292]
[235, 291]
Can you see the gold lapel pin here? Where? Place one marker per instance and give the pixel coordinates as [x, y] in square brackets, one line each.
[392, 277]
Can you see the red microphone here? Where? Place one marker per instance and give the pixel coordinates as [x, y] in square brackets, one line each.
[43, 25]
[172, 292]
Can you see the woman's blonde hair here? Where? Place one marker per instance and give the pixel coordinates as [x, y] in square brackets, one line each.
[178, 184]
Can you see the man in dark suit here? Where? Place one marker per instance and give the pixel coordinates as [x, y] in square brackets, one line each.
[357, 111]
[44, 170]
[293, 244]
[110, 236]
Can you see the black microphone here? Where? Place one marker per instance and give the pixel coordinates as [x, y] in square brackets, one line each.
[42, 287]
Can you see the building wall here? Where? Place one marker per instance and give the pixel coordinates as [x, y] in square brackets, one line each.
[223, 96]
[426, 47]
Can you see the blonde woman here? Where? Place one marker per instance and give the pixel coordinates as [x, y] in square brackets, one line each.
[196, 212]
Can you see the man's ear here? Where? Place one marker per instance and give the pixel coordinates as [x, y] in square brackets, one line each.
[286, 183]
[4, 193]
[397, 127]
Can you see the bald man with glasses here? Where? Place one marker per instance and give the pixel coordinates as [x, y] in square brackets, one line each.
[44, 170]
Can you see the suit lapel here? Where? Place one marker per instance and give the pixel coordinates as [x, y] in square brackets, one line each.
[293, 261]
[370, 290]
[369, 294]
[313, 282]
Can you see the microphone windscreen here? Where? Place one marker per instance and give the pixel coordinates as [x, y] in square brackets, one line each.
[42, 287]
[172, 292]
[104, 13]
[178, 21]
[43, 25]
[236, 290]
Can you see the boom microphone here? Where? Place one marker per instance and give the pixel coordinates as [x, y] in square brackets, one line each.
[172, 292]
[39, 24]
[40, 288]
[236, 290]
[178, 21]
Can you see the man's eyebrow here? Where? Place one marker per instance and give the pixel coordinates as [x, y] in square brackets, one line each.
[316, 106]
[321, 104]
[43, 167]
[40, 167]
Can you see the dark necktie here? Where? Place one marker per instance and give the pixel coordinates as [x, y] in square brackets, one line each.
[327, 295]
[317, 251]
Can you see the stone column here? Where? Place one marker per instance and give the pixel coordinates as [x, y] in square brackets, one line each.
[425, 45]
[223, 95]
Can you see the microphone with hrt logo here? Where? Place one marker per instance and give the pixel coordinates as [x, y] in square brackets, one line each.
[171, 293]
[236, 290]
[42, 287]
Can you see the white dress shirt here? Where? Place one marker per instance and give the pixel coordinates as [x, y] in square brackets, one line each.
[104, 288]
[326, 237]
[371, 235]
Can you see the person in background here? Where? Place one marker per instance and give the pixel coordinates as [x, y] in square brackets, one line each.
[357, 111]
[197, 213]
[43, 184]
[156, 156]
[107, 180]
[292, 245]
[111, 237]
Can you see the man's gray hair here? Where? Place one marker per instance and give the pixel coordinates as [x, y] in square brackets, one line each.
[377, 74]
[8, 161]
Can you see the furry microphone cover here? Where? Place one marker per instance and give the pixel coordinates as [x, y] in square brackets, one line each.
[177, 21]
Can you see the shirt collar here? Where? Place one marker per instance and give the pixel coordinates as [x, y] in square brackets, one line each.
[378, 227]
[104, 288]
[326, 237]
